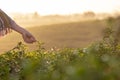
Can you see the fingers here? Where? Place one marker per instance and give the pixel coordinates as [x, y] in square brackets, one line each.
[28, 38]
[31, 40]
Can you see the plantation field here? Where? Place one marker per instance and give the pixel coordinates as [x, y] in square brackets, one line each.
[99, 61]
[87, 50]
[72, 35]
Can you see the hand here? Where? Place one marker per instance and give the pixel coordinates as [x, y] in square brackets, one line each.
[28, 37]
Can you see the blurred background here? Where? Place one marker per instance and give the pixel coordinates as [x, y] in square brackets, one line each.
[59, 23]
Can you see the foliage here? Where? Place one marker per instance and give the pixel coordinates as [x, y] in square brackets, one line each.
[99, 61]
[96, 62]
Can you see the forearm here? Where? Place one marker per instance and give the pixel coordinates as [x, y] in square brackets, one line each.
[11, 23]
[16, 27]
[8, 24]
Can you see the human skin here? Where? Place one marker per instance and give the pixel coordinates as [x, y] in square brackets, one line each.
[27, 36]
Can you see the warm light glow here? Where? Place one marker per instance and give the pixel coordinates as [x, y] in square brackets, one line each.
[45, 7]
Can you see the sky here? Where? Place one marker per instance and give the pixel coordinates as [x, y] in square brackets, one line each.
[46, 7]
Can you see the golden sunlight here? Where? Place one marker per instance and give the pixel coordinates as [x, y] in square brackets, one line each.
[45, 7]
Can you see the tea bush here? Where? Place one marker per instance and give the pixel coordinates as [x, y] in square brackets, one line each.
[99, 61]
[96, 62]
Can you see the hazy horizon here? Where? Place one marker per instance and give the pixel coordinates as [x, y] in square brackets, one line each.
[47, 7]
